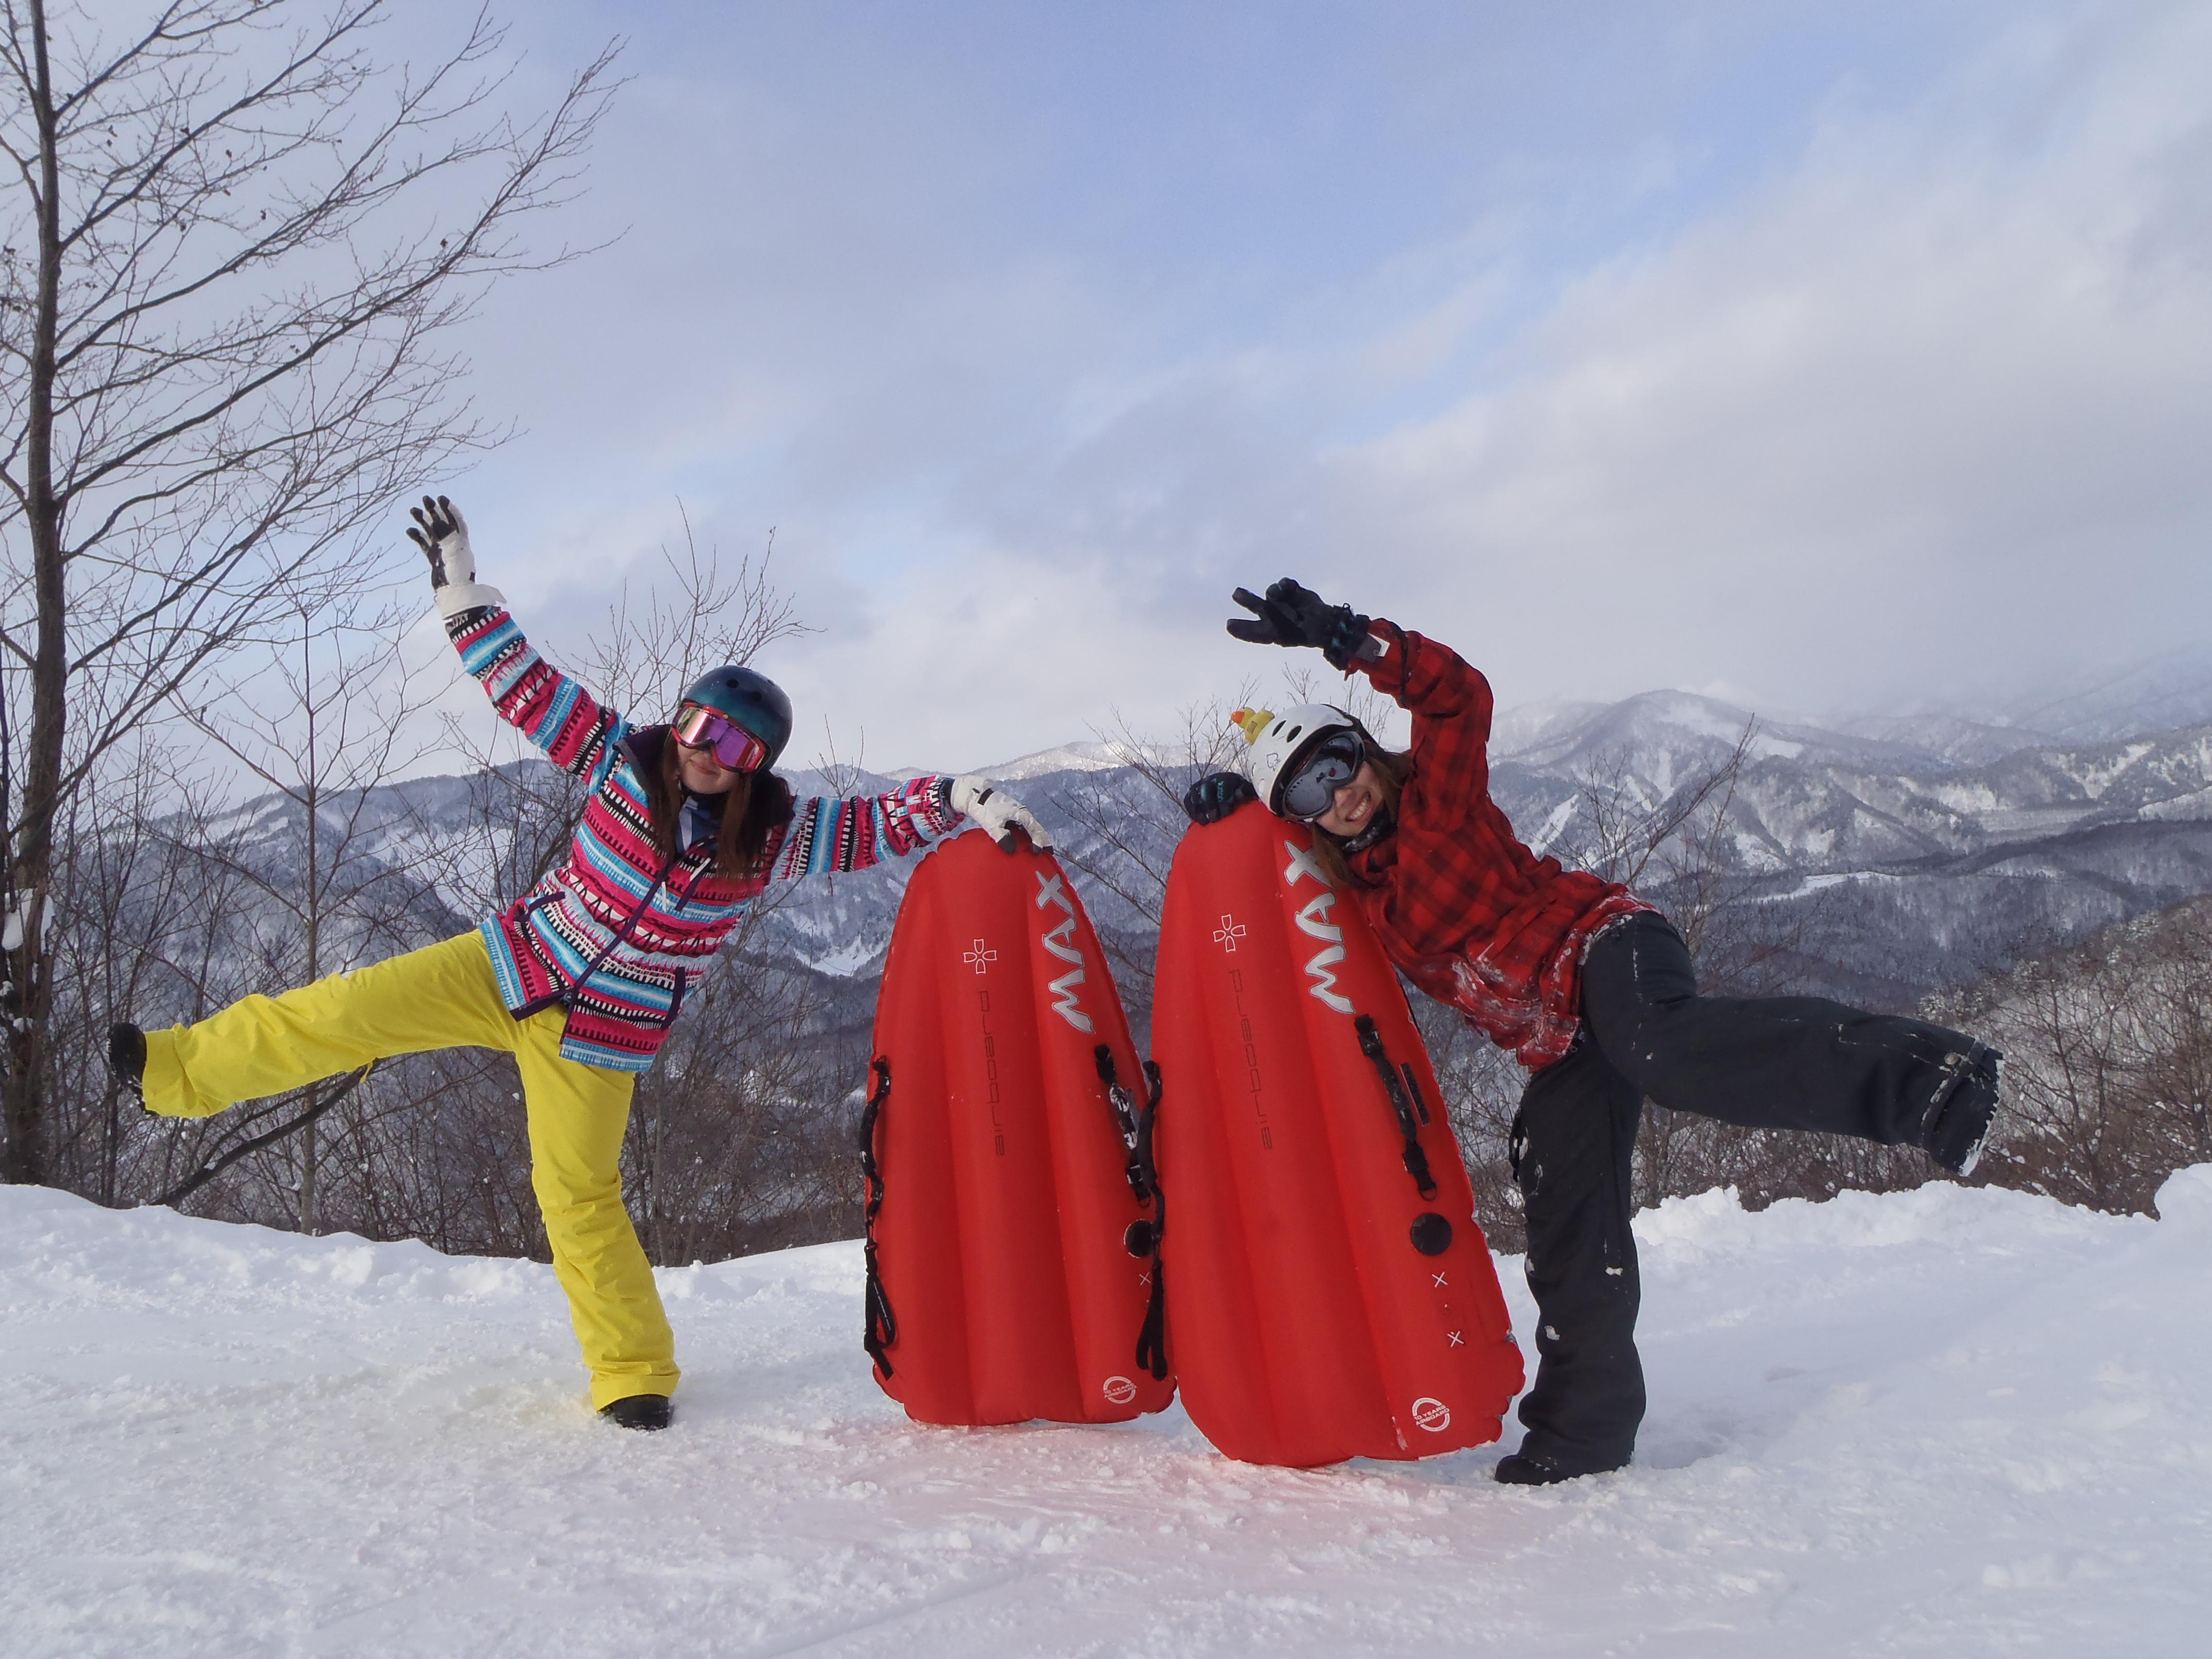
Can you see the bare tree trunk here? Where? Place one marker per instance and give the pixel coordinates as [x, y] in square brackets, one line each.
[311, 798]
[25, 1155]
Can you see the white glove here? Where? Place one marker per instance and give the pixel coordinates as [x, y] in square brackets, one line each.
[998, 812]
[443, 535]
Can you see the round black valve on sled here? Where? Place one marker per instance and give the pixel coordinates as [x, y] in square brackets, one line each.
[1432, 1233]
[1142, 1238]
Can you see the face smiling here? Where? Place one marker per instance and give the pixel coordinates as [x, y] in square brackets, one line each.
[1355, 806]
[702, 773]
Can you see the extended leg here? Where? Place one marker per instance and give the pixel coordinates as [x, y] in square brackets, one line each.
[577, 1117]
[1574, 1141]
[443, 996]
[1765, 1062]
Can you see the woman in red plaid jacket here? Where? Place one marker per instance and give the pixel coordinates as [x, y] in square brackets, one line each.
[1591, 988]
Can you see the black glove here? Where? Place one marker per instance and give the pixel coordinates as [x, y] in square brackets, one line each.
[1292, 615]
[1217, 794]
[435, 521]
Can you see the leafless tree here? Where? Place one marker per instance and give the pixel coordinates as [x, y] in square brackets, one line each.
[233, 240]
[321, 724]
[1621, 830]
[140, 914]
[2108, 1060]
[660, 635]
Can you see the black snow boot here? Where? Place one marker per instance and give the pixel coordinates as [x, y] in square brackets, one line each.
[640, 1411]
[1523, 1469]
[1958, 1123]
[127, 1059]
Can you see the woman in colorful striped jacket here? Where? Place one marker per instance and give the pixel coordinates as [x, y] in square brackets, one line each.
[581, 978]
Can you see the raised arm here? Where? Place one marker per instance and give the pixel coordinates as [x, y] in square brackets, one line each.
[537, 699]
[1451, 704]
[545, 705]
[1450, 701]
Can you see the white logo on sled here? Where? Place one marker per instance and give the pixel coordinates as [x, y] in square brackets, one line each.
[1301, 864]
[1431, 1414]
[1314, 921]
[1120, 1391]
[1059, 939]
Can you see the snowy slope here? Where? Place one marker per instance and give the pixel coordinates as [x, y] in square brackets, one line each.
[1947, 1421]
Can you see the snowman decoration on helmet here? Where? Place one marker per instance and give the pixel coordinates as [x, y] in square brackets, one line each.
[1301, 758]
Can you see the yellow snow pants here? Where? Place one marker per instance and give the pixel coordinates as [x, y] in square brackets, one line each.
[445, 996]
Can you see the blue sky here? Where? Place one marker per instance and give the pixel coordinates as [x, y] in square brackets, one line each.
[1829, 357]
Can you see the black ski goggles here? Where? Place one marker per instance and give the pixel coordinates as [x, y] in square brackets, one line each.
[1310, 789]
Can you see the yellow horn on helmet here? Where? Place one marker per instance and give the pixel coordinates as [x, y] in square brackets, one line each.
[1251, 722]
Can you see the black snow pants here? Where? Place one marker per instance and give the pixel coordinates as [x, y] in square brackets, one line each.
[1762, 1062]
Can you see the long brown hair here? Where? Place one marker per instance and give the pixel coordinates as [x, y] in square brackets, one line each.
[756, 804]
[1392, 767]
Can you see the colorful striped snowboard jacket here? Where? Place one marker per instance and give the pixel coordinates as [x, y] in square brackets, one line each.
[615, 934]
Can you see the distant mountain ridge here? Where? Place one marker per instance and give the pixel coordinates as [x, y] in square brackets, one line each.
[1813, 798]
[1916, 861]
[1097, 756]
[1930, 848]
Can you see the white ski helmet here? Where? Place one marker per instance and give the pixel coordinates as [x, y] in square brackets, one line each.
[1278, 740]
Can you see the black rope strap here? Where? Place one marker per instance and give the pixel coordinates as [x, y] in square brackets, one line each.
[881, 1328]
[1126, 1114]
[1153, 1336]
[1402, 1103]
[1143, 1239]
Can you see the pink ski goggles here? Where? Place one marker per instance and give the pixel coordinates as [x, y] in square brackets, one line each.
[700, 727]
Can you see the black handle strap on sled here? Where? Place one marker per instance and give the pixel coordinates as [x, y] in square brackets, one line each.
[1143, 1238]
[1413, 1088]
[881, 1327]
[1152, 1335]
[1403, 1093]
[1125, 1110]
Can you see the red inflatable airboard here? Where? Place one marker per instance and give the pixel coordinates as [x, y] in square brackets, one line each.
[1001, 1286]
[1323, 1304]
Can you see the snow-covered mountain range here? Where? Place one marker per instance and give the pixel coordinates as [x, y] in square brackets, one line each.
[1897, 856]
[1925, 866]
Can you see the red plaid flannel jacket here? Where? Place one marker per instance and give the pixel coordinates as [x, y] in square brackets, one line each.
[1469, 914]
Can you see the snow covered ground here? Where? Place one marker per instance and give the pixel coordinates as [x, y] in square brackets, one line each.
[1947, 1421]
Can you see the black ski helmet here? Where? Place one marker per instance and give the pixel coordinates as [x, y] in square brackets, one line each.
[751, 700]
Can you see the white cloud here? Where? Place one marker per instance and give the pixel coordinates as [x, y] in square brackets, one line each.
[1911, 401]
[1928, 408]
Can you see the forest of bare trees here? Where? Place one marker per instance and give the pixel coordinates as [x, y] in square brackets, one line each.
[2108, 1068]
